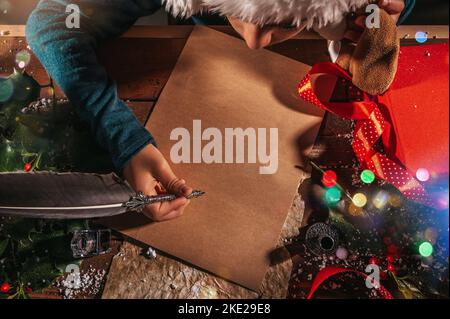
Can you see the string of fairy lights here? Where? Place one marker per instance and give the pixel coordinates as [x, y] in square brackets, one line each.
[335, 193]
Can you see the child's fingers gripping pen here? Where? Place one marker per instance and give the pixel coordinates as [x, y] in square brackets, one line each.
[139, 201]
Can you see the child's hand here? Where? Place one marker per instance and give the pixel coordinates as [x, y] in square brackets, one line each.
[357, 24]
[393, 7]
[148, 172]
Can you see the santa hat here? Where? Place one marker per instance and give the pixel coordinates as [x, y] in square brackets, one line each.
[315, 13]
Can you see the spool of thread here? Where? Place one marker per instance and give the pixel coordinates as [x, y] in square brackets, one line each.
[322, 239]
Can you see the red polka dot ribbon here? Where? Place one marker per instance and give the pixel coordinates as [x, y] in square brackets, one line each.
[370, 127]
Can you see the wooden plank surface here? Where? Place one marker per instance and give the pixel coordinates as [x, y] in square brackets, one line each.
[183, 31]
[141, 67]
[141, 61]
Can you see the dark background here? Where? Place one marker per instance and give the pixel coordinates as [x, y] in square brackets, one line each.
[426, 12]
[429, 12]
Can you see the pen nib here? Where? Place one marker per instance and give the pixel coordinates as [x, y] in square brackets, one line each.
[196, 194]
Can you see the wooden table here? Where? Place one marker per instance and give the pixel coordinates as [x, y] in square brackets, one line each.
[141, 62]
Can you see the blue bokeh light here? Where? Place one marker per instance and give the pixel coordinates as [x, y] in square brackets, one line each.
[421, 37]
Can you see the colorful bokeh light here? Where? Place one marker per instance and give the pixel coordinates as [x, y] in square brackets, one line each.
[360, 200]
[23, 58]
[6, 89]
[423, 175]
[329, 179]
[333, 196]
[342, 253]
[396, 201]
[380, 200]
[354, 210]
[426, 249]
[367, 176]
[421, 37]
[431, 235]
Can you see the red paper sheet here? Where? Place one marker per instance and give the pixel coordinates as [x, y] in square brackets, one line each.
[419, 109]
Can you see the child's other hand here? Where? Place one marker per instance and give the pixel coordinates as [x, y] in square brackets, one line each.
[148, 172]
[357, 23]
[393, 7]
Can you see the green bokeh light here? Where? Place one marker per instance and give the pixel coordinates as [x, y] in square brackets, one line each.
[333, 196]
[23, 58]
[368, 176]
[6, 89]
[426, 249]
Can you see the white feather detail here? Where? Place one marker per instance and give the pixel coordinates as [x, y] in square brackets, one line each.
[2, 208]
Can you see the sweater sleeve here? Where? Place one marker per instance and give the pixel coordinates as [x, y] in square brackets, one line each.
[69, 56]
[409, 6]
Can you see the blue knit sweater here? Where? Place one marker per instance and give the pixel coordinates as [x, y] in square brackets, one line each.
[70, 59]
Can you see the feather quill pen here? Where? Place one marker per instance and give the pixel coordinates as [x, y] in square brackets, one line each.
[62, 195]
[71, 195]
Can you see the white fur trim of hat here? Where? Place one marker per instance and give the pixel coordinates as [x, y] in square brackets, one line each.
[313, 13]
